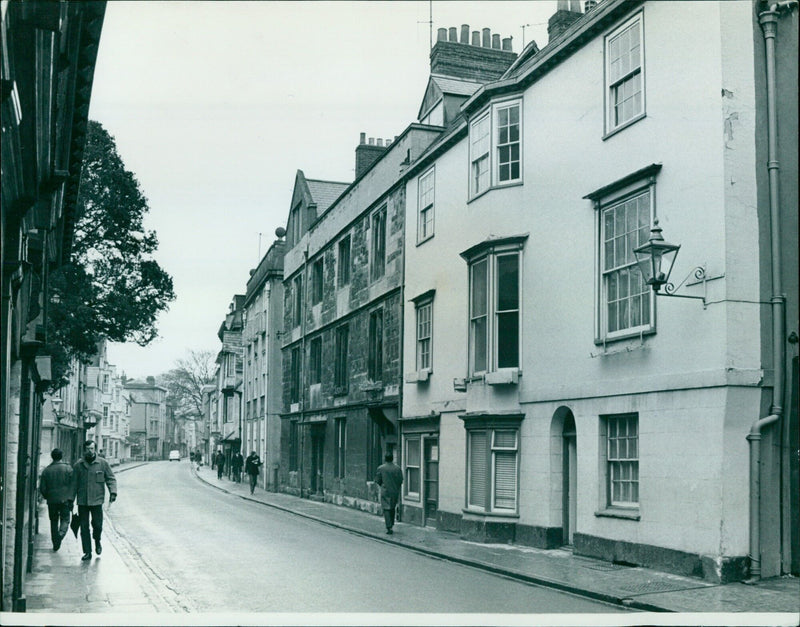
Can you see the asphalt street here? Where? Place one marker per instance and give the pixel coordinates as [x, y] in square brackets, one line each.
[207, 551]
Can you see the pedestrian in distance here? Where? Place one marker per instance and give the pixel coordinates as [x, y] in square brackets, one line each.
[57, 489]
[252, 468]
[237, 461]
[91, 476]
[219, 460]
[390, 478]
[198, 457]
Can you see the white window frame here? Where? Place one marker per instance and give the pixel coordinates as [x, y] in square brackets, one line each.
[492, 314]
[426, 203]
[423, 327]
[613, 202]
[622, 469]
[480, 150]
[491, 450]
[615, 80]
[409, 466]
[485, 147]
[509, 143]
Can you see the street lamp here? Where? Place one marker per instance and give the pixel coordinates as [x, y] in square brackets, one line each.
[655, 260]
[56, 402]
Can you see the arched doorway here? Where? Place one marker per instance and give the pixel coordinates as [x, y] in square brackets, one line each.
[570, 477]
[563, 468]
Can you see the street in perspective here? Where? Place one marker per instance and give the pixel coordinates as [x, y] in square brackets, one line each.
[409, 312]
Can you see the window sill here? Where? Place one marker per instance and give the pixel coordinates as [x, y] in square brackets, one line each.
[603, 341]
[420, 242]
[502, 376]
[484, 514]
[625, 125]
[493, 187]
[420, 376]
[412, 497]
[618, 512]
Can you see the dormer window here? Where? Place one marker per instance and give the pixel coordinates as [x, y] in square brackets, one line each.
[496, 147]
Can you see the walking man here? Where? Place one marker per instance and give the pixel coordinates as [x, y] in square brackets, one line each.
[252, 467]
[90, 476]
[390, 478]
[219, 460]
[237, 461]
[57, 489]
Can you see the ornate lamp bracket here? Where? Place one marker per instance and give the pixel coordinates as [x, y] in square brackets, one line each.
[699, 274]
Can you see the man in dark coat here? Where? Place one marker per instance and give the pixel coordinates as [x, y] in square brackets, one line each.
[252, 467]
[90, 477]
[57, 489]
[237, 461]
[219, 460]
[390, 478]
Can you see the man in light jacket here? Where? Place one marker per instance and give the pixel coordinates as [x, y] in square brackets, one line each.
[91, 475]
[57, 489]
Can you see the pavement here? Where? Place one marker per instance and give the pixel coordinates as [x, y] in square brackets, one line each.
[118, 583]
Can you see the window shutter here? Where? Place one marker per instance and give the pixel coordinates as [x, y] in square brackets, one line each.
[477, 468]
[505, 478]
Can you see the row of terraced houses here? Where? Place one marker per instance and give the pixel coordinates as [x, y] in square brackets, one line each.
[472, 302]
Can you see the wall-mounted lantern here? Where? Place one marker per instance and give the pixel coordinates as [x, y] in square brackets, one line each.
[56, 402]
[655, 260]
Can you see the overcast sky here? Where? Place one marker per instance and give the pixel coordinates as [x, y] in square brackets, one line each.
[215, 105]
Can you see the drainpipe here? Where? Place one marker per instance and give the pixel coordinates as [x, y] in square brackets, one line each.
[769, 23]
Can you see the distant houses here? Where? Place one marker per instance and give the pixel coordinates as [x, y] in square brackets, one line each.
[472, 301]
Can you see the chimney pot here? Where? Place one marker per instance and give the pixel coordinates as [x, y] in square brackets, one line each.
[476, 38]
[465, 33]
[380, 142]
[496, 41]
[371, 141]
[507, 44]
[487, 37]
[362, 139]
[575, 5]
[441, 34]
[453, 34]
[388, 142]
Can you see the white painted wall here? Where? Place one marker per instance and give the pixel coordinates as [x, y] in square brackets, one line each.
[693, 455]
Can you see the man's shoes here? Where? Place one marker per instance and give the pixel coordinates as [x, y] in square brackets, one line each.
[56, 544]
[389, 531]
[98, 548]
[86, 557]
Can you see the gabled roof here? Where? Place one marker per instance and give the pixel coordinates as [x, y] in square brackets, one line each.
[456, 86]
[440, 85]
[324, 193]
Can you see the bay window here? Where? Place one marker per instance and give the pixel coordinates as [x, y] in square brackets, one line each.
[494, 305]
[495, 144]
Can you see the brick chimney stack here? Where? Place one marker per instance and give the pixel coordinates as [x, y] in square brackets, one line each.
[369, 153]
[567, 11]
[483, 59]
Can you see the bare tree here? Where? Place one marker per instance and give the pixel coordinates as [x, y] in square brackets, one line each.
[186, 380]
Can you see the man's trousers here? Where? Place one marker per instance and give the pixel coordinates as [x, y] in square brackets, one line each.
[96, 512]
[59, 514]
